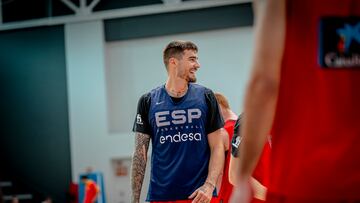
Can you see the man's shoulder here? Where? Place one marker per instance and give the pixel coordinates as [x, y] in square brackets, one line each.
[201, 87]
[147, 96]
[152, 91]
[156, 89]
[195, 85]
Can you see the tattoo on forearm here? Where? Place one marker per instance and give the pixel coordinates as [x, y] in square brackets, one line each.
[213, 176]
[138, 165]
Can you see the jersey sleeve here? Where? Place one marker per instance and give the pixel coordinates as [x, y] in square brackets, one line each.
[236, 139]
[214, 120]
[141, 123]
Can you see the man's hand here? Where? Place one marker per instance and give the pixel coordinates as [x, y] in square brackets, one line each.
[203, 194]
[217, 157]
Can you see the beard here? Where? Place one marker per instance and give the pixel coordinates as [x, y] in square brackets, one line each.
[191, 79]
[187, 77]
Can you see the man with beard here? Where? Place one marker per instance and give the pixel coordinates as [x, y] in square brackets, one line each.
[183, 122]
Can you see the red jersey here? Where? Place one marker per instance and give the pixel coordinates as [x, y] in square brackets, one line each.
[316, 131]
[226, 187]
[261, 172]
[91, 191]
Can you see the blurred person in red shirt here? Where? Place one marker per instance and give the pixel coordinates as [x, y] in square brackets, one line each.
[304, 88]
[260, 177]
[91, 189]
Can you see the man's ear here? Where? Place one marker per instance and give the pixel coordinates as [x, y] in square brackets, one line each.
[173, 61]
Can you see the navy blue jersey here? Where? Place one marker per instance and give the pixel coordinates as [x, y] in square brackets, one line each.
[180, 149]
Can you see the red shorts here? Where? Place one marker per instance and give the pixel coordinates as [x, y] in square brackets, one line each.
[272, 198]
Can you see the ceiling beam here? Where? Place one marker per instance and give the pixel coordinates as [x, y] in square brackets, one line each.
[121, 13]
[71, 5]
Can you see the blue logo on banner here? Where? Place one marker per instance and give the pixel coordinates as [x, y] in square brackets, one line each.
[347, 34]
[339, 42]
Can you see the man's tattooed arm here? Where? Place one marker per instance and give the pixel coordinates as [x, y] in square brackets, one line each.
[138, 165]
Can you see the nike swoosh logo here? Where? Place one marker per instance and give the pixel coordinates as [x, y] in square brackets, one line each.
[157, 103]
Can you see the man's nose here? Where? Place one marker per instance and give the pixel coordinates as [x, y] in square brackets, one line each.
[197, 65]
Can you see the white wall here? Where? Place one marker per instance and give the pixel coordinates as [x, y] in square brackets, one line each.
[106, 80]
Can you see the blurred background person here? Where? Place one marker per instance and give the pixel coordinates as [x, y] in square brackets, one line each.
[260, 175]
[314, 111]
[91, 189]
[223, 185]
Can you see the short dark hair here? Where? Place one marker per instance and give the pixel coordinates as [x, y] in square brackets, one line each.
[176, 48]
[84, 177]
